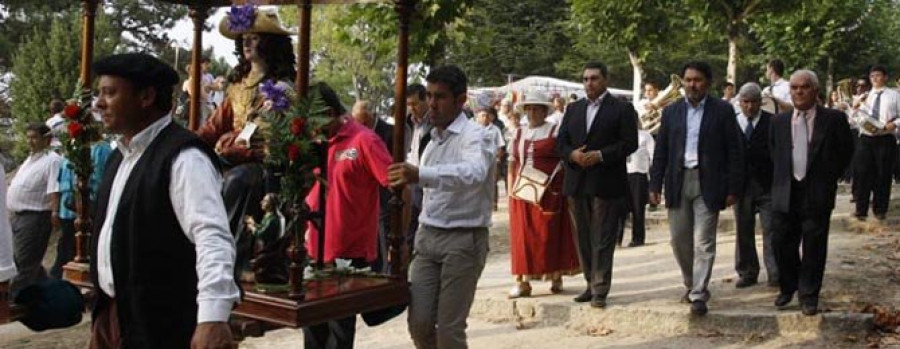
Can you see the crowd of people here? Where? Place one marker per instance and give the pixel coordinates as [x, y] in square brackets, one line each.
[574, 171]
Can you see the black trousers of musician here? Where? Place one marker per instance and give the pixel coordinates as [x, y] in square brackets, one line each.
[873, 172]
[638, 196]
[797, 233]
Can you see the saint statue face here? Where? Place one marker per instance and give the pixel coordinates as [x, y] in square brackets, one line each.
[251, 46]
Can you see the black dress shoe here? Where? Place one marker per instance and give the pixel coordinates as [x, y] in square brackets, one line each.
[635, 244]
[685, 299]
[783, 300]
[598, 302]
[584, 297]
[809, 309]
[699, 308]
[742, 283]
[880, 217]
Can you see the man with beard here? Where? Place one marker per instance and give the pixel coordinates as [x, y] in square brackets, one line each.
[699, 158]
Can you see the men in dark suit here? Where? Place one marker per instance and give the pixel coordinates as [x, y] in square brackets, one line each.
[699, 156]
[755, 197]
[362, 112]
[811, 148]
[596, 135]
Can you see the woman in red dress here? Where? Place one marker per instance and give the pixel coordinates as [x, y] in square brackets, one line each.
[541, 244]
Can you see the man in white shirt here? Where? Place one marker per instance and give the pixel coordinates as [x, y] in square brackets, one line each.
[56, 122]
[162, 253]
[876, 157]
[780, 90]
[559, 107]
[452, 243]
[637, 165]
[33, 202]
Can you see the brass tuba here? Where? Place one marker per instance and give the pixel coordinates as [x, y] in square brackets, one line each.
[652, 119]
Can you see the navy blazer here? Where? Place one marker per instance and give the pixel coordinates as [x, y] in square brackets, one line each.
[830, 151]
[720, 153]
[613, 132]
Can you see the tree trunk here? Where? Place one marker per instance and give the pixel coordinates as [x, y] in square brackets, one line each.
[731, 73]
[638, 72]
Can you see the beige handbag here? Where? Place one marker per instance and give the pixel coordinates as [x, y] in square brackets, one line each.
[531, 184]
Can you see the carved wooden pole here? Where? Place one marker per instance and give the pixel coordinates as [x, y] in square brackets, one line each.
[198, 15]
[83, 224]
[297, 252]
[397, 236]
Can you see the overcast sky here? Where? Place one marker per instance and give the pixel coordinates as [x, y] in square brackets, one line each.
[183, 33]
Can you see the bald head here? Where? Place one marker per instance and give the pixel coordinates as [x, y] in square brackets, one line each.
[362, 113]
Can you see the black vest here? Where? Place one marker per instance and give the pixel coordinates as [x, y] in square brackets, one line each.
[153, 262]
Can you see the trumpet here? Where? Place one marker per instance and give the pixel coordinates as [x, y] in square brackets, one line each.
[652, 119]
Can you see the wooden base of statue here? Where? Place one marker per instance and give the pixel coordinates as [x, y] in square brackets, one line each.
[324, 300]
[79, 274]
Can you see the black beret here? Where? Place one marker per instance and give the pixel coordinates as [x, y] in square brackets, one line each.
[140, 69]
[50, 304]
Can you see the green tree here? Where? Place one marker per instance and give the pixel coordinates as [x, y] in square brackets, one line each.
[641, 28]
[47, 66]
[833, 37]
[734, 17]
[496, 38]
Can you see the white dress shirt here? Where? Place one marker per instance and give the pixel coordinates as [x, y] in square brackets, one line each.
[455, 173]
[555, 118]
[593, 107]
[888, 109]
[694, 120]
[639, 161]
[781, 89]
[7, 264]
[35, 180]
[195, 190]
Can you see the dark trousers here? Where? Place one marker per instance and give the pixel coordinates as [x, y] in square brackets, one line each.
[242, 191]
[105, 330]
[801, 232]
[873, 171]
[755, 200]
[384, 230]
[65, 248]
[415, 208]
[638, 195]
[31, 233]
[336, 334]
[597, 226]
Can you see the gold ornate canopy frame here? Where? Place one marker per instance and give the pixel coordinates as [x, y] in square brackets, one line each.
[324, 299]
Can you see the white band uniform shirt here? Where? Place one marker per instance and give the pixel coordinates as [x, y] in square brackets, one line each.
[33, 183]
[888, 109]
[639, 161]
[451, 165]
[195, 190]
[781, 89]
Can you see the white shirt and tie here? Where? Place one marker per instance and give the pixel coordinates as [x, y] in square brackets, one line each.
[195, 190]
[883, 105]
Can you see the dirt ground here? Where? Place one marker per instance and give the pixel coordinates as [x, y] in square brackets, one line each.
[864, 276]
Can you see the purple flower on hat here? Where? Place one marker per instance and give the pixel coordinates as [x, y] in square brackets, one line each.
[277, 94]
[241, 18]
